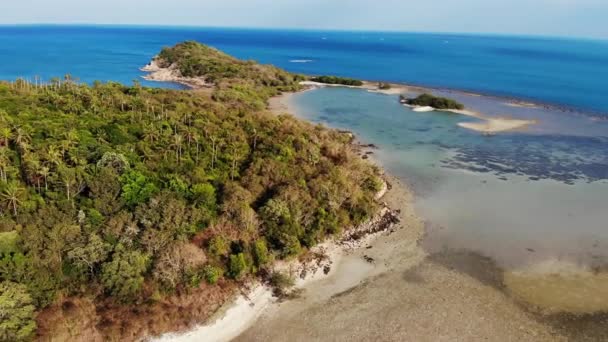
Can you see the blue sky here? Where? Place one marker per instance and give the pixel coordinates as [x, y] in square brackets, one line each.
[584, 18]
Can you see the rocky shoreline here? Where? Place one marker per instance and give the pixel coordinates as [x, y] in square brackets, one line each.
[171, 74]
[317, 264]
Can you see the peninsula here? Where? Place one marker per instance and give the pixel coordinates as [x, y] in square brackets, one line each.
[130, 211]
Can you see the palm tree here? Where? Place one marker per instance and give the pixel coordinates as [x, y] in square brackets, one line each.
[45, 172]
[6, 134]
[13, 196]
[22, 138]
[53, 155]
[178, 140]
[150, 133]
[4, 164]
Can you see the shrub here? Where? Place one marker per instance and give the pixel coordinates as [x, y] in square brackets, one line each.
[212, 274]
[238, 266]
[16, 313]
[384, 86]
[260, 253]
[337, 80]
[434, 101]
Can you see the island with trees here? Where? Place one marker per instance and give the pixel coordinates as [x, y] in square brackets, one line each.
[337, 80]
[428, 100]
[130, 211]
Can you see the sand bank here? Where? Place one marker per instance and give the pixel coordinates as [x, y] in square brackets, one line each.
[492, 125]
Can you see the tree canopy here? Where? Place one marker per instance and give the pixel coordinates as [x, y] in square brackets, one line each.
[127, 194]
[433, 101]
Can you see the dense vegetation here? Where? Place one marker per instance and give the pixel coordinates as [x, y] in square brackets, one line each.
[337, 80]
[193, 59]
[433, 101]
[129, 194]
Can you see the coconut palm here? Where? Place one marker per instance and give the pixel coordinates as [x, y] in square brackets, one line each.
[22, 138]
[13, 195]
[54, 155]
[178, 141]
[45, 172]
[6, 134]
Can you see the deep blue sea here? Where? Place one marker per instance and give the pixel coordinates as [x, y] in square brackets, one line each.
[567, 72]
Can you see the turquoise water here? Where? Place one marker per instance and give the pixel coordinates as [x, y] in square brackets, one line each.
[516, 197]
[562, 71]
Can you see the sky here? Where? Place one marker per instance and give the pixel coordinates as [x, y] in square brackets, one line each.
[580, 18]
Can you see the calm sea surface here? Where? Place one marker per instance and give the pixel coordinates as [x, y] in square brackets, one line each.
[567, 72]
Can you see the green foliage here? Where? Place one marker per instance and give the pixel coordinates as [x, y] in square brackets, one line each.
[373, 184]
[136, 188]
[433, 101]
[203, 194]
[114, 160]
[123, 276]
[121, 200]
[281, 281]
[237, 267]
[16, 313]
[212, 274]
[218, 246]
[337, 80]
[9, 243]
[261, 256]
[197, 60]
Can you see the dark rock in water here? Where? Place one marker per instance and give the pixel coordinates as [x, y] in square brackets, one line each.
[365, 156]
[326, 269]
[369, 152]
[369, 259]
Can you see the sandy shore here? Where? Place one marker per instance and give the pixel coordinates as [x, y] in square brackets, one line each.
[403, 295]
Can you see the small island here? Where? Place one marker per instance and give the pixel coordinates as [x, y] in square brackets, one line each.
[428, 100]
[337, 80]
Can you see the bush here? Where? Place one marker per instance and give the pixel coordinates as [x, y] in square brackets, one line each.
[218, 246]
[238, 266]
[260, 253]
[433, 101]
[212, 274]
[16, 313]
[281, 283]
[384, 86]
[337, 80]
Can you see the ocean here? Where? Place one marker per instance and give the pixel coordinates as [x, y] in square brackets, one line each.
[565, 72]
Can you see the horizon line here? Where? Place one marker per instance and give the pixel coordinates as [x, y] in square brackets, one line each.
[266, 28]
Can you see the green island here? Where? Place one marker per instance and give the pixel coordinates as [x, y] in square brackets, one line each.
[432, 101]
[130, 211]
[337, 80]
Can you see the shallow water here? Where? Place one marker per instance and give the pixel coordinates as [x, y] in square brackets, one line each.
[522, 199]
